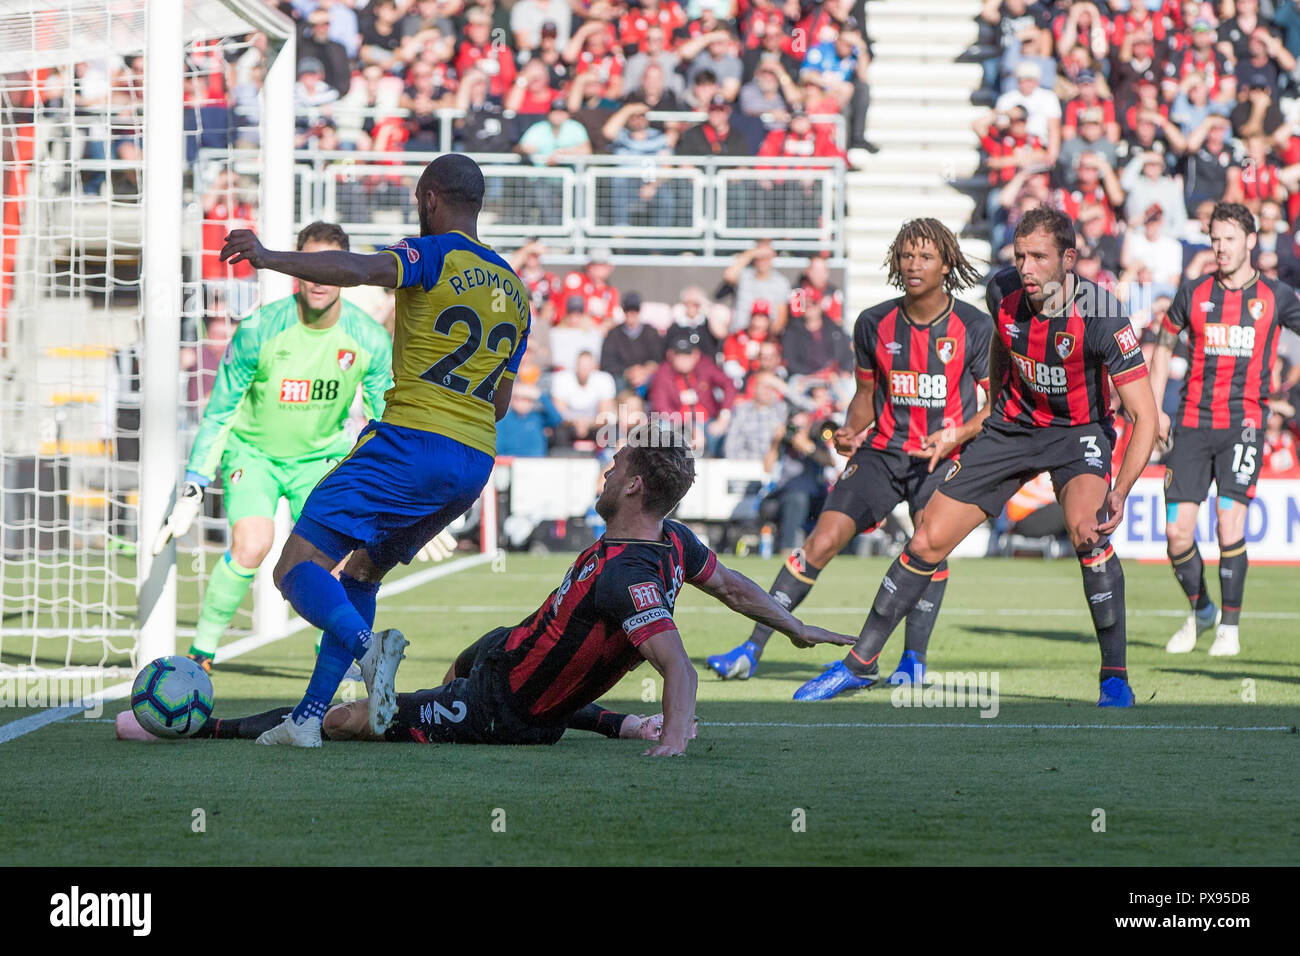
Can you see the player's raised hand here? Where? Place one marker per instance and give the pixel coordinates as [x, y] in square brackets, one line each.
[1114, 508]
[242, 245]
[182, 515]
[810, 635]
[847, 441]
[439, 548]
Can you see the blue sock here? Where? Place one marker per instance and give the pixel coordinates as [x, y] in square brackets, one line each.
[332, 663]
[322, 600]
[362, 594]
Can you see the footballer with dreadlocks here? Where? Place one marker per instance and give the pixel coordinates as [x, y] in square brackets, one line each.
[920, 359]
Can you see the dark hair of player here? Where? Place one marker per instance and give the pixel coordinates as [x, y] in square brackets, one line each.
[961, 274]
[456, 179]
[662, 457]
[1234, 212]
[1052, 221]
[325, 232]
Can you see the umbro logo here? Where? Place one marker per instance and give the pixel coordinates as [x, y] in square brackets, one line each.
[1207, 306]
[281, 355]
[894, 348]
[1011, 329]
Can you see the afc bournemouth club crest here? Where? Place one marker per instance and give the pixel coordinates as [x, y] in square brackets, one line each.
[952, 472]
[346, 358]
[1065, 342]
[236, 475]
[1255, 308]
[847, 472]
[947, 348]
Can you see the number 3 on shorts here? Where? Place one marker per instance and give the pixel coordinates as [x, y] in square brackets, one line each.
[1091, 449]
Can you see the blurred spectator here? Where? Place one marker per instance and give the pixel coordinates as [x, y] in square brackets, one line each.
[753, 277]
[1145, 184]
[599, 298]
[815, 285]
[813, 346]
[551, 55]
[794, 203]
[316, 44]
[771, 48]
[1256, 113]
[691, 386]
[691, 316]
[1207, 162]
[312, 92]
[633, 350]
[381, 36]
[1257, 178]
[550, 140]
[528, 424]
[1280, 459]
[651, 199]
[1137, 63]
[543, 286]
[592, 53]
[770, 362]
[1095, 240]
[478, 49]
[362, 110]
[1008, 145]
[485, 127]
[656, 52]
[799, 462]
[770, 91]
[757, 422]
[428, 89]
[716, 136]
[740, 350]
[1234, 33]
[424, 17]
[713, 52]
[1265, 63]
[575, 333]
[1287, 19]
[1193, 105]
[531, 94]
[584, 397]
[1026, 52]
[1042, 108]
[655, 94]
[529, 17]
[1148, 245]
[1089, 140]
[1089, 102]
[1095, 185]
[845, 64]
[636, 26]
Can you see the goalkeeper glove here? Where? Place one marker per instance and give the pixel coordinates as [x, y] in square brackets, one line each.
[182, 515]
[442, 546]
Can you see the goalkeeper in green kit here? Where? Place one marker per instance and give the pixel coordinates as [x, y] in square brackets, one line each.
[275, 424]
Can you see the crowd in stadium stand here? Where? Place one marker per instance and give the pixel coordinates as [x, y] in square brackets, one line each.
[1135, 117]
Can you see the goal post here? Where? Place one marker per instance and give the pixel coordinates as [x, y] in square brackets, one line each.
[108, 292]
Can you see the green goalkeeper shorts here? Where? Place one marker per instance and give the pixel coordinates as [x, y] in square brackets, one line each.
[254, 483]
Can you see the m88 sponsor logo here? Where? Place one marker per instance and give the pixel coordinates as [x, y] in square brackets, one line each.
[297, 391]
[1040, 376]
[917, 388]
[1221, 339]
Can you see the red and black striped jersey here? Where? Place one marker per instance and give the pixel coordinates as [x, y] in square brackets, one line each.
[1059, 361]
[1233, 335]
[584, 638]
[926, 376]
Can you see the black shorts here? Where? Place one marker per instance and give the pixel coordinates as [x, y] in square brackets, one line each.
[875, 481]
[469, 710]
[1001, 458]
[1231, 456]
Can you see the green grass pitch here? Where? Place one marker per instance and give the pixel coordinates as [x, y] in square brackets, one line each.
[875, 788]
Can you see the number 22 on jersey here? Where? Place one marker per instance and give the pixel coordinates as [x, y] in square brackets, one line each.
[475, 366]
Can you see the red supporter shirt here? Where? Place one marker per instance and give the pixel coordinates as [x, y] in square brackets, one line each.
[600, 299]
[633, 25]
[997, 145]
[499, 66]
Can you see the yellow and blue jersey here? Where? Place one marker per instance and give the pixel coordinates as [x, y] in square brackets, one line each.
[462, 327]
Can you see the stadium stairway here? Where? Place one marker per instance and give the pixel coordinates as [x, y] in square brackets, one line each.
[920, 117]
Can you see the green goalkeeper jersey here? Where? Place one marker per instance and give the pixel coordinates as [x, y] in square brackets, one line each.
[286, 389]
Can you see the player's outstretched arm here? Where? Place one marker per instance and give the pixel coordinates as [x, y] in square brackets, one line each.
[745, 597]
[1160, 357]
[331, 267]
[667, 655]
[1140, 404]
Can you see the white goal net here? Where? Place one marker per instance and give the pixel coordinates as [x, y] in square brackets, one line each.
[120, 126]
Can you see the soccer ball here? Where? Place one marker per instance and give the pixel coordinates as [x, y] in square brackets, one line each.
[172, 697]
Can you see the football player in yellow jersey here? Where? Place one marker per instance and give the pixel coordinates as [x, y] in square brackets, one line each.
[462, 328]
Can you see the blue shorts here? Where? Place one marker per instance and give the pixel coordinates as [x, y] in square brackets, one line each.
[397, 489]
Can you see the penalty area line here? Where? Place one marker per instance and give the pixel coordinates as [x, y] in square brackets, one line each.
[994, 724]
[26, 725]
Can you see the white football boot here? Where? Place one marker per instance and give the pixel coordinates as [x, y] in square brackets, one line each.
[1184, 639]
[287, 733]
[379, 671]
[1226, 643]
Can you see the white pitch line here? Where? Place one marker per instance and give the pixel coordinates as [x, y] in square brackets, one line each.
[858, 611]
[25, 725]
[992, 724]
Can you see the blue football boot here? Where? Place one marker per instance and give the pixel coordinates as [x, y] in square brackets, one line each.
[834, 680]
[737, 664]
